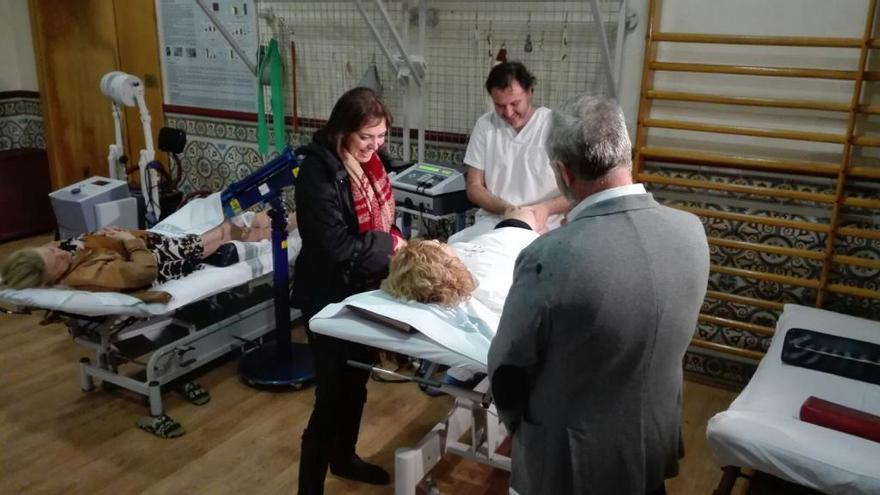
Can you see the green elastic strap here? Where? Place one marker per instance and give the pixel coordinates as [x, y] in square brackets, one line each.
[272, 58]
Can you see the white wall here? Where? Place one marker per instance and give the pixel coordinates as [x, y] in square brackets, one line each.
[17, 68]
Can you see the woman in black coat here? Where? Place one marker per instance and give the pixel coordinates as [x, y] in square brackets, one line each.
[345, 213]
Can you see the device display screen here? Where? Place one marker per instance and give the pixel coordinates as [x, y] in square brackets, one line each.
[425, 175]
[418, 178]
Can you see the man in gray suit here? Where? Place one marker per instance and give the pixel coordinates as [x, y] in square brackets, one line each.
[586, 368]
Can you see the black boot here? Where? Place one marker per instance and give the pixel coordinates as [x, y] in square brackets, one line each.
[355, 468]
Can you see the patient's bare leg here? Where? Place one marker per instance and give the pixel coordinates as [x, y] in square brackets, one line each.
[221, 234]
[216, 237]
[261, 226]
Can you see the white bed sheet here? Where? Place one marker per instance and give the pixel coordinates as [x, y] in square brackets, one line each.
[761, 430]
[196, 217]
[446, 336]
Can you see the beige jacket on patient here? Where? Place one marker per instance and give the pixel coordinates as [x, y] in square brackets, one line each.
[106, 264]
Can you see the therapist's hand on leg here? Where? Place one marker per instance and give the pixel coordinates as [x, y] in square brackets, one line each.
[540, 213]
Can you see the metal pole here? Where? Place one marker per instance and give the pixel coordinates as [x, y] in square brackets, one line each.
[407, 93]
[407, 142]
[376, 35]
[280, 280]
[605, 51]
[398, 42]
[618, 45]
[423, 90]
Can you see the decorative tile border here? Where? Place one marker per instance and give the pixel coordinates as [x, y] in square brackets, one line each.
[789, 266]
[21, 123]
[719, 369]
[220, 152]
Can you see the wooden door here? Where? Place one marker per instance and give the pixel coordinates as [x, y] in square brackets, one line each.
[75, 44]
[138, 44]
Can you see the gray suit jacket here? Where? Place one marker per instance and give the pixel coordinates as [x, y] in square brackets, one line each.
[597, 322]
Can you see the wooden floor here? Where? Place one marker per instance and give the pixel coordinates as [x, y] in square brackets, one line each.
[55, 439]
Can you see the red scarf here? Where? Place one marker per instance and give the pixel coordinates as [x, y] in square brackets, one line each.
[373, 199]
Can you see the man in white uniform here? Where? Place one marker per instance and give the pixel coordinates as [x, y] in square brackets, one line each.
[507, 164]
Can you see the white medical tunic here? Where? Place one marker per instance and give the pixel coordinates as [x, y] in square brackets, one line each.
[515, 165]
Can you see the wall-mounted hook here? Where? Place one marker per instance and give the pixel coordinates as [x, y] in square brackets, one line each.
[502, 53]
[563, 42]
[632, 19]
[490, 41]
[528, 46]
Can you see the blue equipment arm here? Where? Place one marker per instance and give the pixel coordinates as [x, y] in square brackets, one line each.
[262, 185]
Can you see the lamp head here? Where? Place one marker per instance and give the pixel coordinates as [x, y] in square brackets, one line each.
[121, 88]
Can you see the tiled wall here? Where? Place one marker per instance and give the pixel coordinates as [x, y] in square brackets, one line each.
[728, 369]
[220, 152]
[21, 124]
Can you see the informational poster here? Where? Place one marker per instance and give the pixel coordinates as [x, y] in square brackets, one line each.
[199, 66]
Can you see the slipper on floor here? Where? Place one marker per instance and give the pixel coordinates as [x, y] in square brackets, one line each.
[162, 426]
[195, 393]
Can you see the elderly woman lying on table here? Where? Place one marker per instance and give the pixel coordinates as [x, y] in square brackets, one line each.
[117, 259]
[477, 273]
[447, 274]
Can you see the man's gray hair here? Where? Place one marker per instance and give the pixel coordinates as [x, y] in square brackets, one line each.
[588, 134]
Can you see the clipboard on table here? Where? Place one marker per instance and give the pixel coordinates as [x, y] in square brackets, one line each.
[384, 320]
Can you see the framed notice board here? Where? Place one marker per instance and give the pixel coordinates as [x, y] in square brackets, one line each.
[200, 69]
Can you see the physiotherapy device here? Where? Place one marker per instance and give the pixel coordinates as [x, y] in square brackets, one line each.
[261, 186]
[431, 189]
[77, 206]
[282, 363]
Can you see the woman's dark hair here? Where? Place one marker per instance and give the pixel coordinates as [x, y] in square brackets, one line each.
[356, 108]
[503, 74]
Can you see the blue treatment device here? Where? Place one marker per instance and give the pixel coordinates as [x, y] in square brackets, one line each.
[262, 185]
[282, 363]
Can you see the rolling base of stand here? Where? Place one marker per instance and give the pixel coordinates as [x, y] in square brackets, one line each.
[261, 368]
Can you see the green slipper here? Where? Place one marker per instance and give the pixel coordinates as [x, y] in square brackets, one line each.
[195, 393]
[162, 426]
